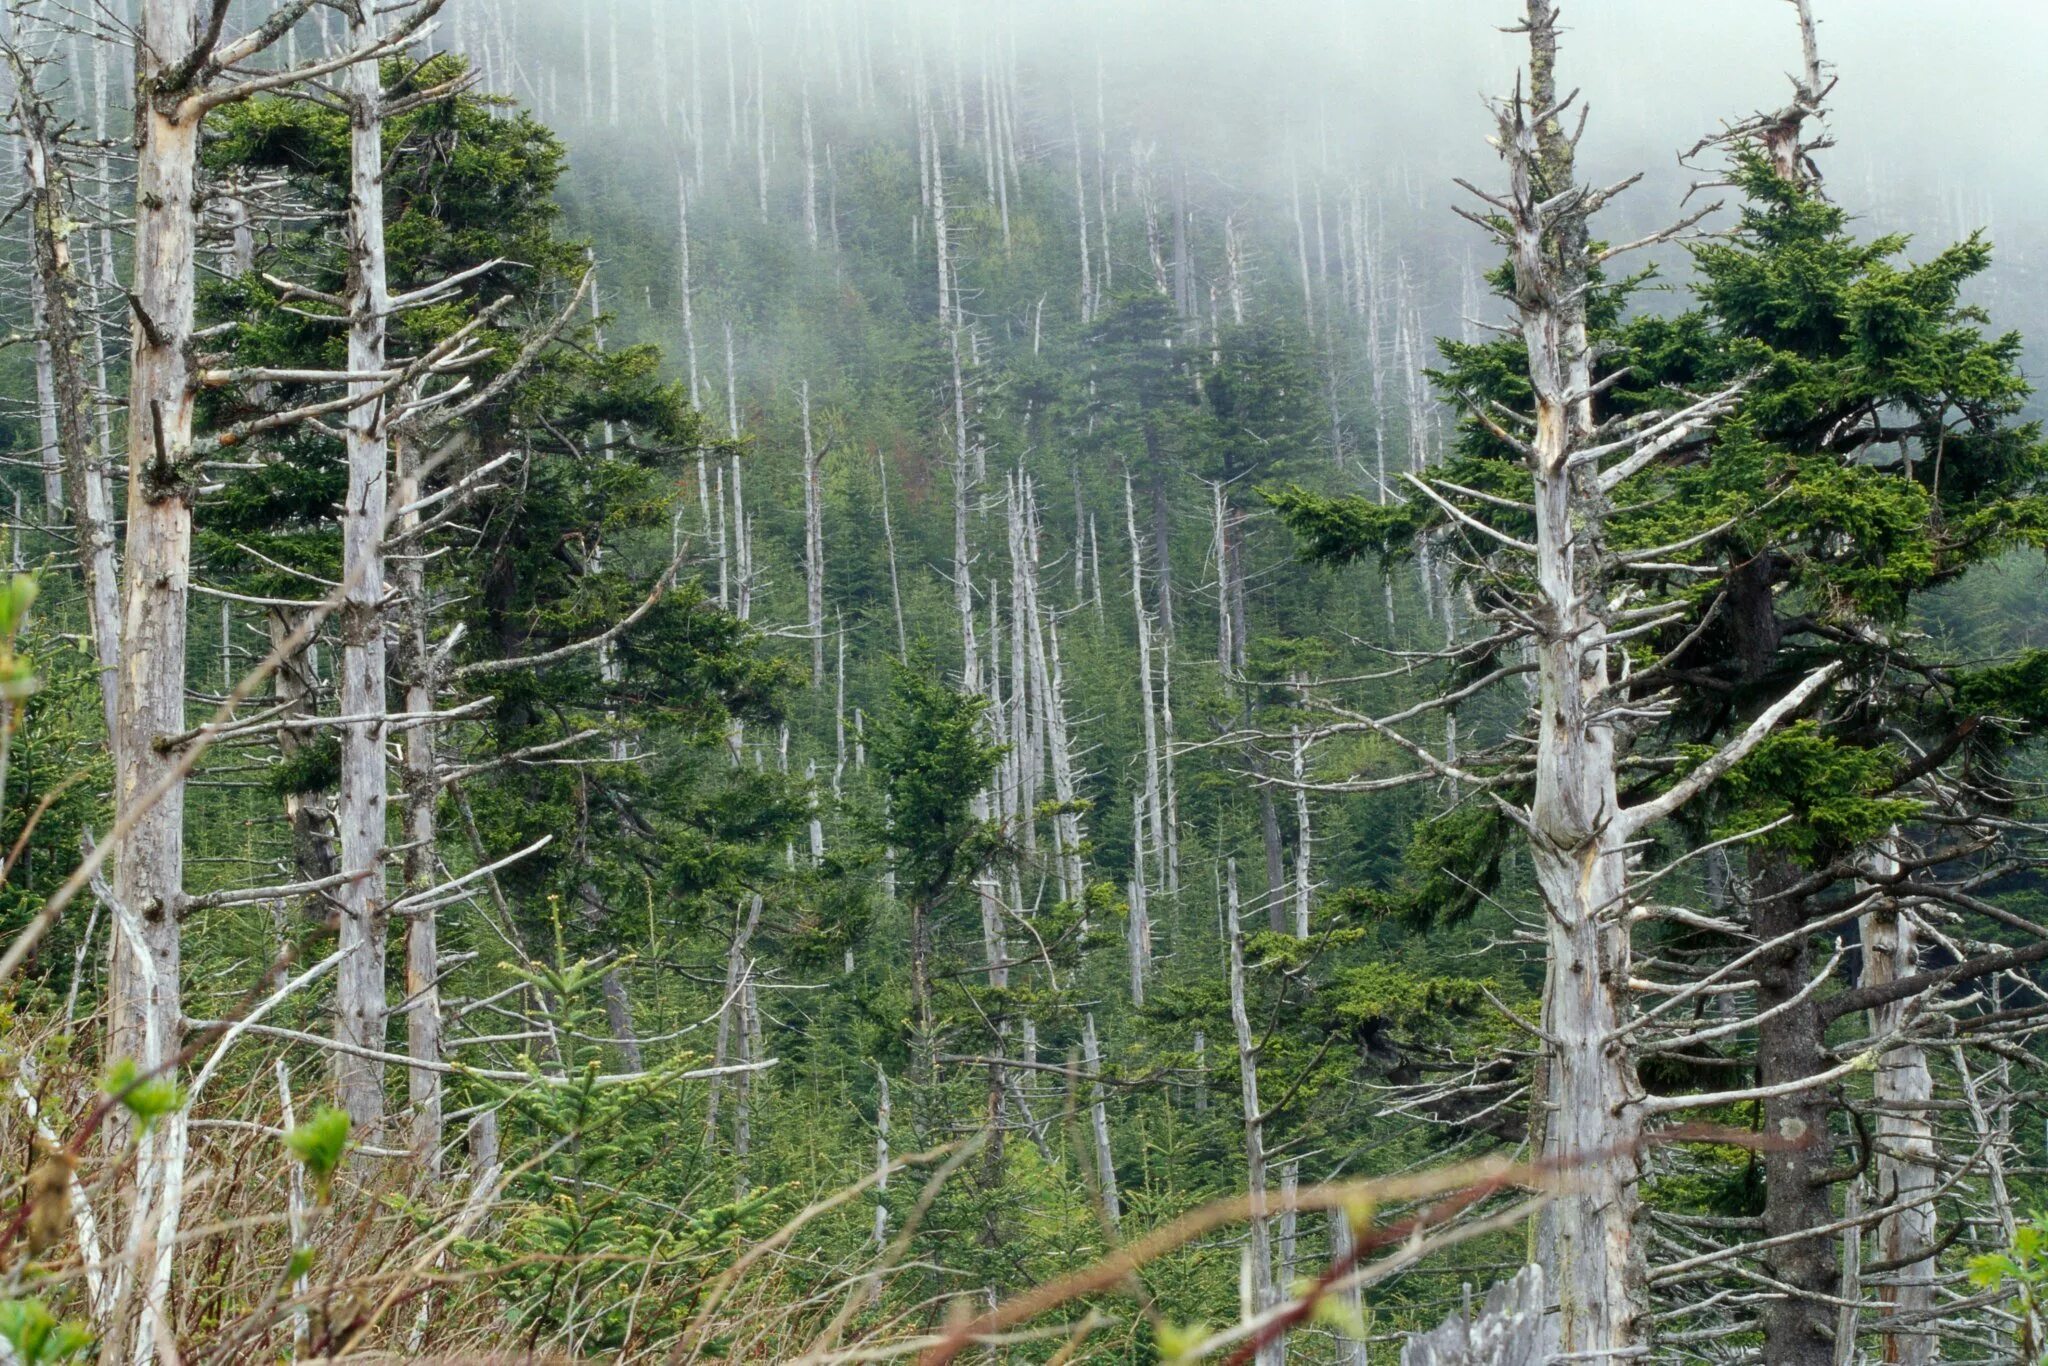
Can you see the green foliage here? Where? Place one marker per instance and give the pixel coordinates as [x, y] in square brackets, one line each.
[17, 671]
[313, 767]
[319, 1144]
[36, 1336]
[2022, 1272]
[2013, 691]
[934, 759]
[1449, 866]
[146, 1098]
[1388, 996]
[1833, 792]
[1345, 530]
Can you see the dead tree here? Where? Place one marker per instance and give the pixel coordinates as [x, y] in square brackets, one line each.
[183, 61]
[66, 326]
[814, 542]
[360, 1003]
[1259, 1252]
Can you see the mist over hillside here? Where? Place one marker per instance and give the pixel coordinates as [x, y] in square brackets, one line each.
[829, 681]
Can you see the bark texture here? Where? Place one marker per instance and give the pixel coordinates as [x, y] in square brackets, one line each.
[360, 1004]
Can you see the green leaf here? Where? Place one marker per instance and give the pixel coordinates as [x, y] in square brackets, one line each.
[147, 1099]
[1991, 1269]
[36, 1336]
[320, 1144]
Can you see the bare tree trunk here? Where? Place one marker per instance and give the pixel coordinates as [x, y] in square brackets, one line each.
[1081, 207]
[963, 558]
[1183, 262]
[737, 971]
[311, 813]
[1848, 1315]
[1095, 569]
[1154, 806]
[732, 86]
[64, 325]
[1233, 260]
[1260, 1251]
[422, 790]
[814, 544]
[1227, 655]
[1304, 882]
[1288, 1249]
[895, 577]
[1047, 687]
[360, 1004]
[1106, 288]
[881, 1158]
[50, 454]
[1098, 1123]
[145, 1019]
[742, 529]
[1308, 288]
[810, 173]
[689, 308]
[1139, 930]
[743, 1085]
[612, 63]
[1351, 1351]
[995, 947]
[1993, 1126]
[1578, 848]
[1907, 1171]
[998, 141]
[1027, 701]
[1166, 765]
[700, 129]
[760, 113]
[942, 234]
[688, 291]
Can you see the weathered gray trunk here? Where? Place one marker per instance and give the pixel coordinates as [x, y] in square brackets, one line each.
[737, 970]
[895, 573]
[1906, 1158]
[1048, 683]
[1154, 812]
[1510, 1329]
[422, 789]
[1098, 1124]
[360, 1004]
[65, 326]
[881, 1157]
[810, 172]
[814, 543]
[688, 291]
[1592, 1123]
[145, 1019]
[1139, 929]
[963, 554]
[1304, 837]
[1259, 1253]
[743, 1091]
[1088, 290]
[144, 973]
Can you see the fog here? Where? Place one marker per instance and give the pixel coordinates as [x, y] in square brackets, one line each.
[1931, 116]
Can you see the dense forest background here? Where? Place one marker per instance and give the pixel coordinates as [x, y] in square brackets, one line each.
[935, 699]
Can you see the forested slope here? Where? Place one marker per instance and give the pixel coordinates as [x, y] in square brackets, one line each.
[819, 682]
